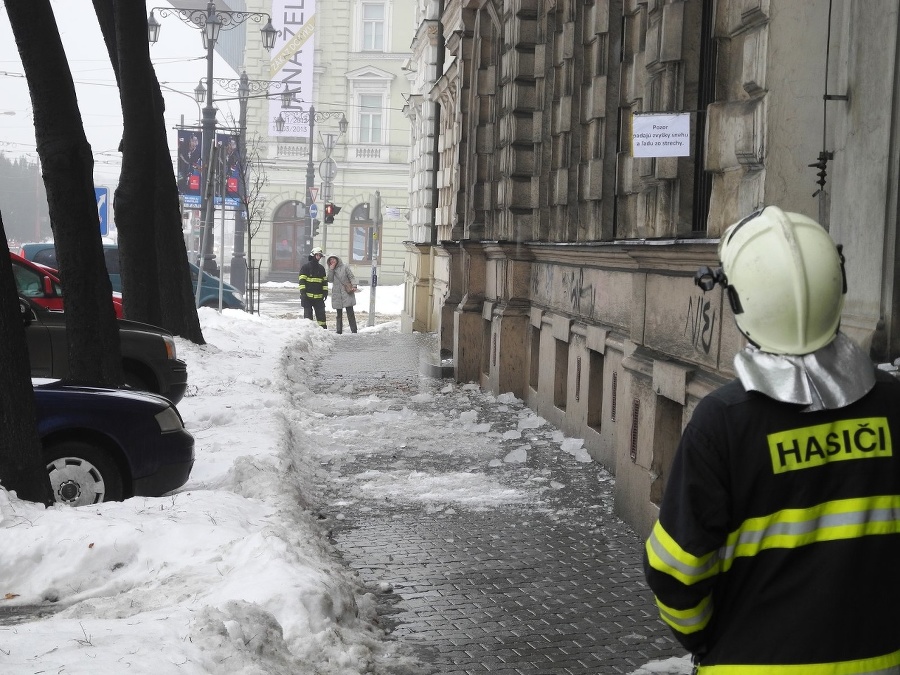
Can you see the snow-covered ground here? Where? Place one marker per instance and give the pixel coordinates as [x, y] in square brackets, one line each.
[226, 575]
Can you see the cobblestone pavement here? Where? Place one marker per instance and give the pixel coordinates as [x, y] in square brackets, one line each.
[549, 586]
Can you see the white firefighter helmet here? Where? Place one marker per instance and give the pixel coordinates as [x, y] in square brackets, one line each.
[785, 279]
[317, 251]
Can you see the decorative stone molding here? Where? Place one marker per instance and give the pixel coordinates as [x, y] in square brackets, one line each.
[561, 328]
[670, 380]
[753, 65]
[754, 12]
[671, 32]
[735, 133]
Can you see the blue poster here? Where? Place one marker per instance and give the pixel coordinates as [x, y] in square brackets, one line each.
[228, 171]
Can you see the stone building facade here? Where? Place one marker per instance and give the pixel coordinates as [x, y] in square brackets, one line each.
[558, 266]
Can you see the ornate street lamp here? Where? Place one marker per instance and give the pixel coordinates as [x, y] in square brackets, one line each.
[309, 117]
[210, 22]
[244, 87]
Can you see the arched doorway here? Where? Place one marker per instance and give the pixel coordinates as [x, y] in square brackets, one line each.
[291, 242]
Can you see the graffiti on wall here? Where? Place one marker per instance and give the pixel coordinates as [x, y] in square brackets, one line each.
[542, 283]
[580, 295]
[700, 323]
[575, 293]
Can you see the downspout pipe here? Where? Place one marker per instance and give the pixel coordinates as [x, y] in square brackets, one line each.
[439, 72]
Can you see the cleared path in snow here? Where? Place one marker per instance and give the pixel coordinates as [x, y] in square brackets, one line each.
[486, 538]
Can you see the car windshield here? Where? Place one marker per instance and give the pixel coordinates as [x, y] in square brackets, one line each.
[46, 257]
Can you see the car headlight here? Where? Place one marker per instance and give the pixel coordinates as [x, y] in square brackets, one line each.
[239, 296]
[169, 420]
[170, 346]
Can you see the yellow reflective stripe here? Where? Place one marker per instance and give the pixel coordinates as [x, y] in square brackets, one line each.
[689, 620]
[830, 521]
[666, 556]
[888, 664]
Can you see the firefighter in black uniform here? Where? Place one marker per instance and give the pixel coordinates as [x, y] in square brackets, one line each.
[778, 538]
[314, 287]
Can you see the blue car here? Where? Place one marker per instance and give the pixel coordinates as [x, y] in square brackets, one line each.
[44, 253]
[105, 445]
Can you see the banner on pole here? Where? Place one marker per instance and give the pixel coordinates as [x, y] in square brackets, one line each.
[189, 166]
[228, 172]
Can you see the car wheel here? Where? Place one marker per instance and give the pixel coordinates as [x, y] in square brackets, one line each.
[82, 474]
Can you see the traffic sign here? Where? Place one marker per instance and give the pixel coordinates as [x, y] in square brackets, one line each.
[313, 211]
[313, 193]
[102, 195]
[327, 169]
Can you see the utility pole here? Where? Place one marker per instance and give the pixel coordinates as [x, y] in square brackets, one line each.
[375, 235]
[238, 258]
[327, 172]
[310, 117]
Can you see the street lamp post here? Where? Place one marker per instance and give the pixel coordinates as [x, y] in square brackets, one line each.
[244, 87]
[238, 260]
[210, 22]
[310, 117]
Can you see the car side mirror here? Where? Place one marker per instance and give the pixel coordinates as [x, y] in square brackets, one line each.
[48, 286]
[25, 312]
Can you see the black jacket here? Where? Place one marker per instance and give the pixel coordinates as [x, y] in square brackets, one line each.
[779, 533]
[313, 285]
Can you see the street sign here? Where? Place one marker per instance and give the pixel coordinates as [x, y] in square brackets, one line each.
[313, 211]
[102, 195]
[313, 193]
[327, 169]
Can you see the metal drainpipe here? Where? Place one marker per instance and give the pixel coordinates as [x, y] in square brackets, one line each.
[439, 71]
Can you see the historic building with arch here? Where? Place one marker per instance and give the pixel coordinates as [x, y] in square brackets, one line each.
[343, 57]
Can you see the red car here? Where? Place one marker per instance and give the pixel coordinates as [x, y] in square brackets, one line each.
[41, 285]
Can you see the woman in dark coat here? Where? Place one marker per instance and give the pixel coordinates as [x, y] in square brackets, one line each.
[343, 291]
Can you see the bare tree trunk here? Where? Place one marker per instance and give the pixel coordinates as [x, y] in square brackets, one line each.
[156, 280]
[22, 467]
[67, 163]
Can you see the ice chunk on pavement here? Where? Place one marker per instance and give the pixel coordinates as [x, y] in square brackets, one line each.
[517, 456]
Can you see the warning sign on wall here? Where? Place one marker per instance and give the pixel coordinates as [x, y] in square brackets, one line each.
[661, 135]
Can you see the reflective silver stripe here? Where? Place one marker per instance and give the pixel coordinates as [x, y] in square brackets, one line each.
[667, 562]
[826, 522]
[687, 624]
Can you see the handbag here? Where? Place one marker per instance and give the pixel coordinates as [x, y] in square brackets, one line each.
[350, 288]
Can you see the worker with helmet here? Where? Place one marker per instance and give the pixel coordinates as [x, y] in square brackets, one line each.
[314, 287]
[779, 530]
